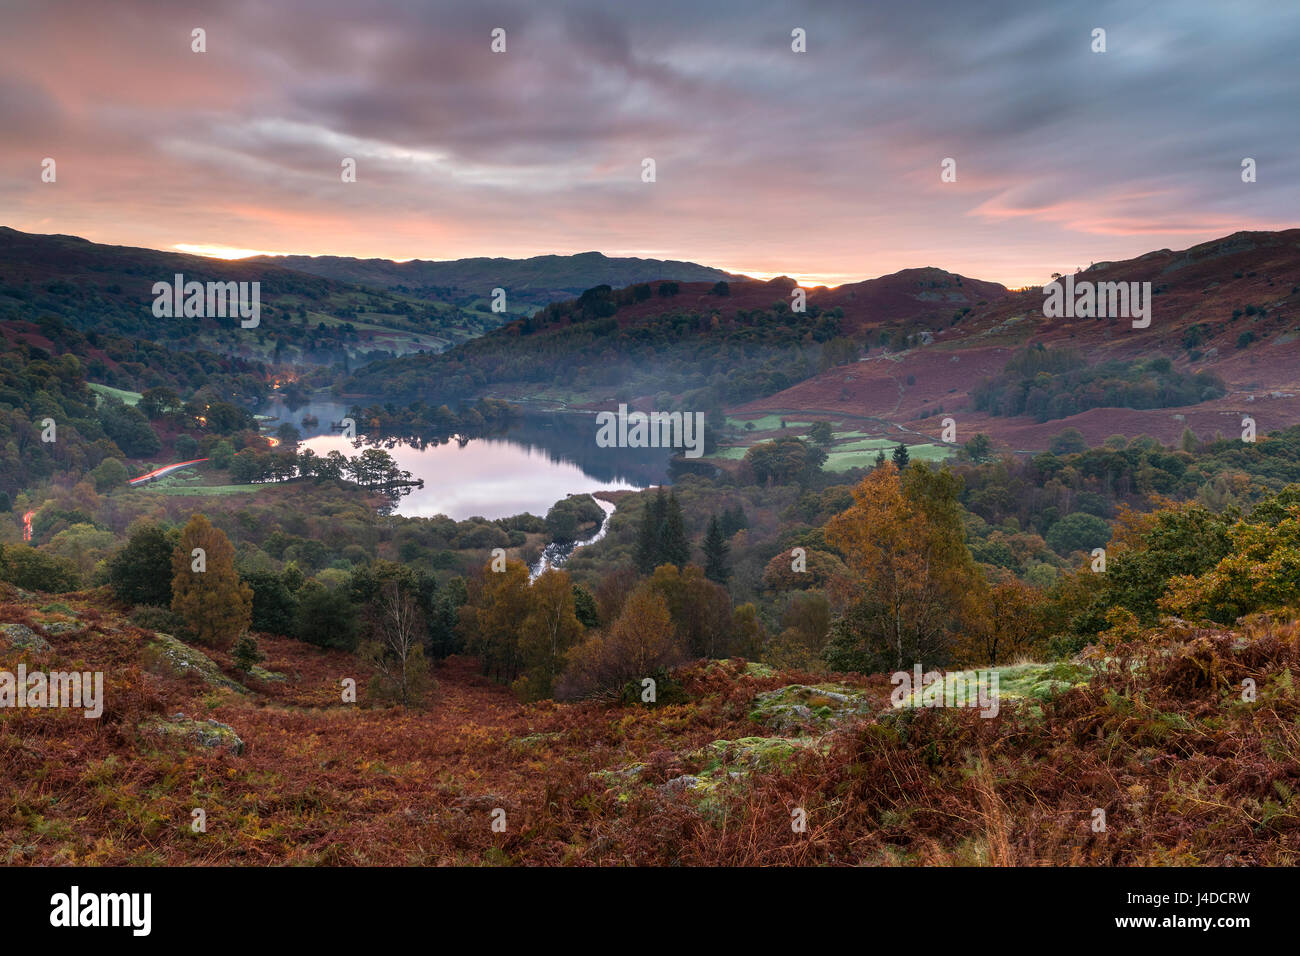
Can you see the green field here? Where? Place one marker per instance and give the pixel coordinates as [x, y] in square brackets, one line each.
[203, 490]
[844, 460]
[130, 398]
[766, 423]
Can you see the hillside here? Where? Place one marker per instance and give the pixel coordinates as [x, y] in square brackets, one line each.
[305, 319]
[703, 344]
[1230, 308]
[888, 358]
[531, 283]
[286, 773]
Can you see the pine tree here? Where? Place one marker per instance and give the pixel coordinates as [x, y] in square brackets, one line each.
[246, 654]
[716, 550]
[880, 457]
[733, 520]
[901, 457]
[649, 533]
[674, 548]
[207, 593]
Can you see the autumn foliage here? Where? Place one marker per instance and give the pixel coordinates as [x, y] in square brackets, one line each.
[207, 593]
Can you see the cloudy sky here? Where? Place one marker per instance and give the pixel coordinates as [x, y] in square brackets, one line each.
[823, 165]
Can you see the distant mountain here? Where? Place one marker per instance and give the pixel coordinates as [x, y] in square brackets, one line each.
[305, 319]
[894, 356]
[533, 282]
[687, 341]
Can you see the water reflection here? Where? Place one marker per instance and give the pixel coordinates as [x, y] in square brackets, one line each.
[538, 461]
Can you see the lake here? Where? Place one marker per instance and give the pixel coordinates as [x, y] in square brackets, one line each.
[543, 458]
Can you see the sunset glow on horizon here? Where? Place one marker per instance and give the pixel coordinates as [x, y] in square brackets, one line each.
[823, 166]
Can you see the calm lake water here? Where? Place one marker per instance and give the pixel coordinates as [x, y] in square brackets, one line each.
[538, 462]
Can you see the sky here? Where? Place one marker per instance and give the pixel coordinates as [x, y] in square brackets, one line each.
[823, 165]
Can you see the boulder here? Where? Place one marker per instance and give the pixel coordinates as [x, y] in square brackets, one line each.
[22, 637]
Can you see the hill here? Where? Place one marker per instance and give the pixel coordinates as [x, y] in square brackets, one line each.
[305, 319]
[1228, 308]
[285, 772]
[887, 359]
[701, 344]
[529, 283]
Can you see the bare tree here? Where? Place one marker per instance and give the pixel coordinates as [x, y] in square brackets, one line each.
[396, 651]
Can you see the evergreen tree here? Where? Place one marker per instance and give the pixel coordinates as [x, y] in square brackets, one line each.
[246, 654]
[733, 520]
[141, 572]
[901, 457]
[716, 551]
[880, 457]
[674, 548]
[584, 606]
[649, 535]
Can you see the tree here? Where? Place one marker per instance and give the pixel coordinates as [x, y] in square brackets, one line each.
[1078, 532]
[1260, 571]
[492, 617]
[109, 473]
[274, 606]
[1013, 622]
[25, 567]
[901, 456]
[979, 449]
[246, 654]
[880, 457]
[821, 433]
[805, 625]
[785, 461]
[159, 401]
[395, 651]
[733, 520]
[700, 609]
[675, 548]
[716, 550]
[1068, 442]
[207, 593]
[141, 572]
[661, 534]
[584, 607]
[549, 630]
[640, 643]
[326, 617]
[911, 579]
[128, 428]
[565, 519]
[187, 449]
[650, 530]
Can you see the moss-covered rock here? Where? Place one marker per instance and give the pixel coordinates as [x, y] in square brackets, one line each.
[177, 657]
[22, 637]
[810, 705]
[203, 733]
[1028, 681]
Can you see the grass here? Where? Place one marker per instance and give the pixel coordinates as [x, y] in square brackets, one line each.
[207, 490]
[130, 398]
[767, 423]
[844, 460]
